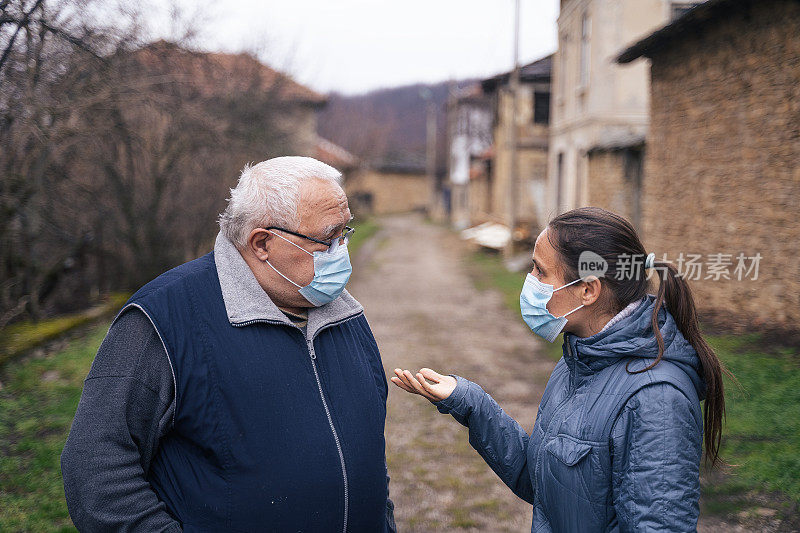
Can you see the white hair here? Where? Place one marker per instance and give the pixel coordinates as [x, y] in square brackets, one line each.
[267, 195]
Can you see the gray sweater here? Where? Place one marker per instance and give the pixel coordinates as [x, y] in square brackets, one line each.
[125, 409]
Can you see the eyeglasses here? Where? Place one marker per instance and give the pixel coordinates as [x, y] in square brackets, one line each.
[343, 238]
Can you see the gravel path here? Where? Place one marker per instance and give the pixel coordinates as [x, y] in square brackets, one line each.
[425, 311]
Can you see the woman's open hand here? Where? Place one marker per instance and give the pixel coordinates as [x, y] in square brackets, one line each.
[432, 385]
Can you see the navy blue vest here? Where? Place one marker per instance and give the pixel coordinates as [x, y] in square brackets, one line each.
[252, 447]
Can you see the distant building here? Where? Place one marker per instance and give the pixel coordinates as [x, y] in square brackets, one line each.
[722, 171]
[388, 188]
[491, 192]
[469, 125]
[600, 109]
[337, 157]
[217, 76]
[380, 189]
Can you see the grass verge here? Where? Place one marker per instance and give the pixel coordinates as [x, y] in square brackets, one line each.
[365, 229]
[37, 403]
[761, 438]
[21, 337]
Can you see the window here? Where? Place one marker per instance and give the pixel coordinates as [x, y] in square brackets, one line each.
[541, 108]
[585, 35]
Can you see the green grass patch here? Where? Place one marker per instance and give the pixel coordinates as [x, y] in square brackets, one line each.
[490, 273]
[365, 229]
[461, 518]
[37, 403]
[23, 336]
[761, 438]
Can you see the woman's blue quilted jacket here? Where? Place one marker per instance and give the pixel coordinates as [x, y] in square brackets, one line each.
[610, 450]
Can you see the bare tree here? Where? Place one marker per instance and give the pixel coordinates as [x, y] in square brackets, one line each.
[40, 42]
[116, 156]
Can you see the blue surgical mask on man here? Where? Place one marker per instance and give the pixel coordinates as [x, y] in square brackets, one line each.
[332, 271]
[533, 305]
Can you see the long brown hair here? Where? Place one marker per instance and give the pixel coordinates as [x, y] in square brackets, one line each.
[615, 240]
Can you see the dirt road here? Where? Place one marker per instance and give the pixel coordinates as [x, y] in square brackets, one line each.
[425, 311]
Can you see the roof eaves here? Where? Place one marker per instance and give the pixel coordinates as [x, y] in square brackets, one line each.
[695, 17]
[539, 70]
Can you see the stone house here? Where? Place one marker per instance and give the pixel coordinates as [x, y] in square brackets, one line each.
[469, 137]
[491, 196]
[218, 76]
[722, 169]
[336, 156]
[297, 119]
[388, 188]
[600, 109]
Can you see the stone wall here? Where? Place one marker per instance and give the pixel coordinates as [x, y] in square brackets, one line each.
[379, 192]
[296, 127]
[532, 188]
[722, 171]
[480, 196]
[610, 187]
[531, 165]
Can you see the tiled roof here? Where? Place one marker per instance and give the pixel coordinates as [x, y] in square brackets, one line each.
[538, 71]
[402, 163]
[216, 74]
[620, 142]
[472, 93]
[334, 155]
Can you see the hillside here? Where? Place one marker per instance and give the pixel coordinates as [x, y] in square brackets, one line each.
[387, 126]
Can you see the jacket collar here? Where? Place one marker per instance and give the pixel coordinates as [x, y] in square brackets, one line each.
[578, 351]
[245, 300]
[631, 337]
[578, 355]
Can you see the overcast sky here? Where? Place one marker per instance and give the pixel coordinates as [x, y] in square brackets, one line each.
[353, 46]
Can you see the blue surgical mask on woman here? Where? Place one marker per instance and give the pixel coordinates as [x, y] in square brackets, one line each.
[533, 304]
[332, 271]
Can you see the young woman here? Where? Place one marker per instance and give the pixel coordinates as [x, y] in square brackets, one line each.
[618, 438]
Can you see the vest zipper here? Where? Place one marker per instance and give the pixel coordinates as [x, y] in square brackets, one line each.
[313, 356]
[333, 429]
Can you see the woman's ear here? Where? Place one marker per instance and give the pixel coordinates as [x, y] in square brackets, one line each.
[591, 288]
[259, 242]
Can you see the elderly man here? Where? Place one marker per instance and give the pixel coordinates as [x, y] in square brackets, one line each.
[241, 391]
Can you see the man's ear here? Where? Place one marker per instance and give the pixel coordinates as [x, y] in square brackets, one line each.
[259, 243]
[591, 290]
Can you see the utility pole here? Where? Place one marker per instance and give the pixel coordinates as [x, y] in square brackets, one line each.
[430, 138]
[513, 143]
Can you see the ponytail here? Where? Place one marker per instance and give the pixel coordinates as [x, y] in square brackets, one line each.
[674, 289]
[612, 237]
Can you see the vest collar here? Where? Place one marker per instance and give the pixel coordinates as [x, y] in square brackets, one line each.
[246, 301]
